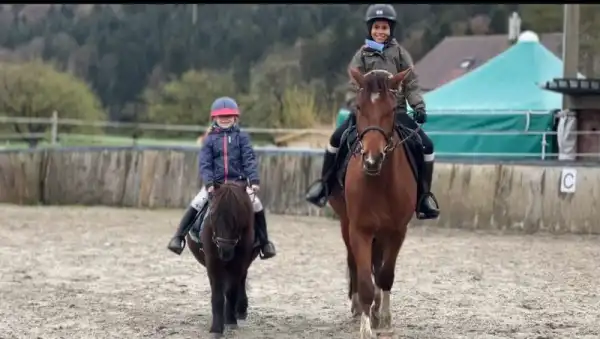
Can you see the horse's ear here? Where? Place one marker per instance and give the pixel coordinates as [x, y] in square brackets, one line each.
[357, 76]
[398, 78]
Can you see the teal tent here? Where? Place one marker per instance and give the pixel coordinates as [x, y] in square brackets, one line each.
[503, 97]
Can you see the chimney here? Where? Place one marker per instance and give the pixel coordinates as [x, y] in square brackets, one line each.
[514, 27]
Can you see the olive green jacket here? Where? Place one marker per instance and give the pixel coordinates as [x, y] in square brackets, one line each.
[394, 59]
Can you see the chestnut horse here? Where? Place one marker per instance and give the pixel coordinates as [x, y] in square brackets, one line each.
[228, 250]
[378, 200]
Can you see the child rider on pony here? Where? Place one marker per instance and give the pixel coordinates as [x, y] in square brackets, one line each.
[226, 155]
[382, 52]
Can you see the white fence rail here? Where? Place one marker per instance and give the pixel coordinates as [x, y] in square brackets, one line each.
[54, 123]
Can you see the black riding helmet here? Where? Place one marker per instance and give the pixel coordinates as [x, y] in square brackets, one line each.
[381, 12]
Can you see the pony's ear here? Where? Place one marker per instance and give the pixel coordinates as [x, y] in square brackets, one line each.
[356, 76]
[398, 78]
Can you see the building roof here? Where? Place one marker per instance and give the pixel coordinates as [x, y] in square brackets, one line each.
[457, 55]
[573, 86]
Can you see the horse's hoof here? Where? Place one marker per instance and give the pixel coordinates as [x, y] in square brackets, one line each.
[242, 315]
[375, 321]
[385, 321]
[233, 326]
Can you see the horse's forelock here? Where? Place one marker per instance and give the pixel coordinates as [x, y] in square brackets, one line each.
[377, 81]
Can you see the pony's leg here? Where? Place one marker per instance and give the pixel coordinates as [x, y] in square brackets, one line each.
[241, 308]
[385, 277]
[231, 297]
[217, 299]
[361, 249]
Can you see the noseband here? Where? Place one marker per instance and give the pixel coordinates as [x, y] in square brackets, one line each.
[223, 241]
[390, 146]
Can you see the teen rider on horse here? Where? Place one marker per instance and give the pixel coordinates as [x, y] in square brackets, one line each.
[382, 52]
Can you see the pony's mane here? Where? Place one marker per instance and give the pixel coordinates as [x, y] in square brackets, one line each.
[231, 208]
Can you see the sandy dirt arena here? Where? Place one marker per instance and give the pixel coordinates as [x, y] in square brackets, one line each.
[77, 272]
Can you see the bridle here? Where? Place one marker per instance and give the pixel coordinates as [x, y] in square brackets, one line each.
[389, 136]
[218, 241]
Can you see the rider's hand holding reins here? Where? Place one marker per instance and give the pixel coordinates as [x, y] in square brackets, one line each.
[420, 115]
[255, 188]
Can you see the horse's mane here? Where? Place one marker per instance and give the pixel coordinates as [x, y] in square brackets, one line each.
[231, 207]
[377, 81]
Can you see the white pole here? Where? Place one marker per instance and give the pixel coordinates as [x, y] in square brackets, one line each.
[54, 129]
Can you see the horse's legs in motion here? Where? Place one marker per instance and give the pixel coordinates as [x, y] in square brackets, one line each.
[231, 297]
[217, 300]
[361, 243]
[355, 307]
[241, 307]
[352, 283]
[377, 259]
[385, 276]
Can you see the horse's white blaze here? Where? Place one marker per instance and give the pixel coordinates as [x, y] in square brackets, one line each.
[365, 327]
[374, 97]
[369, 159]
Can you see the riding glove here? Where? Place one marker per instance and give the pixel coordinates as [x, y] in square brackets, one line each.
[420, 115]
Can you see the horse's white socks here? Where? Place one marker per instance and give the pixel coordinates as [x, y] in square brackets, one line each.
[366, 332]
[385, 313]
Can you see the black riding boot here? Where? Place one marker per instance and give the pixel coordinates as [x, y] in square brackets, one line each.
[318, 192]
[260, 228]
[177, 243]
[428, 206]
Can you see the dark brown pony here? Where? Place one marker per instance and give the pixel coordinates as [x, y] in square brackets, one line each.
[228, 250]
[378, 201]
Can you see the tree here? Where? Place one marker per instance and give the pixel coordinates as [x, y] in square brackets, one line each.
[542, 18]
[187, 100]
[35, 90]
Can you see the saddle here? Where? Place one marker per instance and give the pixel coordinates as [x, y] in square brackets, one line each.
[412, 148]
[198, 226]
